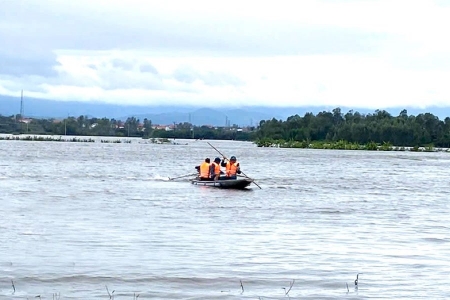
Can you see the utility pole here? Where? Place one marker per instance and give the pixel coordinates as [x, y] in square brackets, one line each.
[21, 112]
[192, 126]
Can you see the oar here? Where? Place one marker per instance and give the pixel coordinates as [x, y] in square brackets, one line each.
[228, 159]
[183, 176]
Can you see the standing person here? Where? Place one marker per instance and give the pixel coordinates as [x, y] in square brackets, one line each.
[215, 169]
[204, 170]
[231, 168]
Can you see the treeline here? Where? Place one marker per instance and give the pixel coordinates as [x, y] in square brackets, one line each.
[352, 127]
[81, 126]
[132, 127]
[188, 131]
[378, 127]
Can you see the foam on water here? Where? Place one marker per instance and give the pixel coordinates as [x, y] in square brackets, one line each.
[160, 178]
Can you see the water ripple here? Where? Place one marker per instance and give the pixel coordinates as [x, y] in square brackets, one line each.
[79, 217]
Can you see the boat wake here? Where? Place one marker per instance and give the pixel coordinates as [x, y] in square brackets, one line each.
[159, 178]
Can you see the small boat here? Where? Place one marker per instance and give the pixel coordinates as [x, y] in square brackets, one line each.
[237, 184]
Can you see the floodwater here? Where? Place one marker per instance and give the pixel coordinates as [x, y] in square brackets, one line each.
[102, 221]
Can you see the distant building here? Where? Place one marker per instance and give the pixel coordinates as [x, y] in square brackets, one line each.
[163, 127]
[25, 120]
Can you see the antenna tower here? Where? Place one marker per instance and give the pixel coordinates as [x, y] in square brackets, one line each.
[21, 105]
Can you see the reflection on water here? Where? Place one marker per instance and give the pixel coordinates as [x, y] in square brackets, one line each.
[78, 217]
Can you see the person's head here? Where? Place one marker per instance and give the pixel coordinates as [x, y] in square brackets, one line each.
[217, 160]
[207, 160]
[233, 159]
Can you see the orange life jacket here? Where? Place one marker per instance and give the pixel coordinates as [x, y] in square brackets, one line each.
[204, 170]
[216, 168]
[231, 169]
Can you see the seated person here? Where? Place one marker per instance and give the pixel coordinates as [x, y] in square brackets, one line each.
[231, 168]
[215, 169]
[204, 170]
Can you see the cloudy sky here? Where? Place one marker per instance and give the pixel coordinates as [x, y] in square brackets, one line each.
[371, 54]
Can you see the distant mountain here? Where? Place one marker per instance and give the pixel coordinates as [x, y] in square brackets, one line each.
[167, 114]
[208, 116]
[60, 109]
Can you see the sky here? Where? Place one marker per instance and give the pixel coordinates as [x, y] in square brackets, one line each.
[362, 54]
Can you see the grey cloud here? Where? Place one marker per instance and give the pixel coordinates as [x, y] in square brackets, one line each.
[109, 80]
[58, 26]
[117, 80]
[122, 64]
[30, 31]
[189, 75]
[68, 79]
[221, 79]
[27, 83]
[148, 68]
[186, 74]
[36, 89]
[20, 64]
[23, 51]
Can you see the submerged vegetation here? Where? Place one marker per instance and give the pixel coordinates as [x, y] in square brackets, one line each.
[81, 140]
[343, 145]
[282, 292]
[59, 139]
[46, 139]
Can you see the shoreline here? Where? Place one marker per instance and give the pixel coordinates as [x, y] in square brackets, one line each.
[344, 145]
[339, 145]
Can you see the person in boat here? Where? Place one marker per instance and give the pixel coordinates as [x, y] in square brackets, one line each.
[204, 170]
[232, 168]
[215, 170]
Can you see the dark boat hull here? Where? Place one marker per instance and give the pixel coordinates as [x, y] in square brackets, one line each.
[237, 184]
